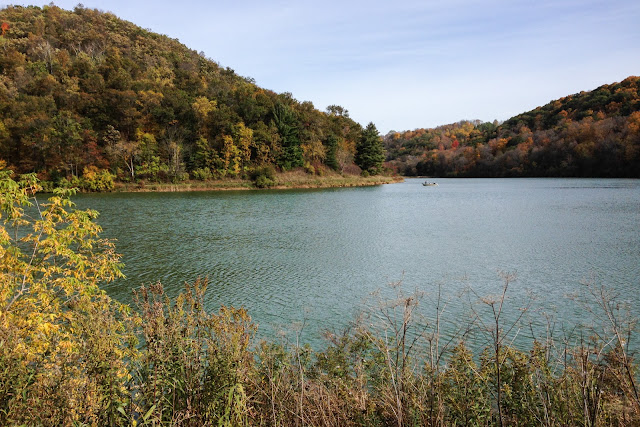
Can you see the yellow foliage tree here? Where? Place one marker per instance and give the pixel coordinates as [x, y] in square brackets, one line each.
[230, 155]
[202, 106]
[314, 152]
[244, 141]
[64, 344]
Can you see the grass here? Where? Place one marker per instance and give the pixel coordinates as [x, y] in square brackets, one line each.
[284, 180]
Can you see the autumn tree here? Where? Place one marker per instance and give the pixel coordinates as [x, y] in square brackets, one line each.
[65, 143]
[314, 152]
[266, 141]
[205, 155]
[121, 151]
[173, 149]
[243, 137]
[202, 107]
[64, 344]
[230, 155]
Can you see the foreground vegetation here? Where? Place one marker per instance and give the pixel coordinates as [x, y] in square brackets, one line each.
[70, 355]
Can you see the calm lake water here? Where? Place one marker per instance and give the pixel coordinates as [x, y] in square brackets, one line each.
[315, 256]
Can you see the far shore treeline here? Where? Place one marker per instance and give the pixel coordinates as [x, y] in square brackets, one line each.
[589, 134]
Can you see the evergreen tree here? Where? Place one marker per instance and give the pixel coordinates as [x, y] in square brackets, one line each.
[369, 151]
[285, 121]
[331, 159]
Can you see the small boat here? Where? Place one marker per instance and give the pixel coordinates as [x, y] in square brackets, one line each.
[429, 184]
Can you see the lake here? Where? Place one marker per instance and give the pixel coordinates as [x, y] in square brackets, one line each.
[314, 257]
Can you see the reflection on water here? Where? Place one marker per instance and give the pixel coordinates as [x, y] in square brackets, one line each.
[316, 255]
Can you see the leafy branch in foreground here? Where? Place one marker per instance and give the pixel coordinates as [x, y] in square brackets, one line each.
[64, 344]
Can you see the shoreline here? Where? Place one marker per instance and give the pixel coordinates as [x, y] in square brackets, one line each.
[285, 181]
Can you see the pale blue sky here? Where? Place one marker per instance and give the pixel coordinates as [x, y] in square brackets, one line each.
[407, 64]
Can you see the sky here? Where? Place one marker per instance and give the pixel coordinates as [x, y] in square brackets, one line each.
[406, 64]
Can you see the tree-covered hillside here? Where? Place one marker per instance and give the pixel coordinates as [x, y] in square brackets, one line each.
[85, 94]
[86, 97]
[593, 133]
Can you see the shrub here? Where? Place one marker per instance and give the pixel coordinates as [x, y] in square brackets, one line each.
[153, 170]
[264, 177]
[70, 182]
[194, 366]
[94, 179]
[202, 174]
[309, 168]
[264, 182]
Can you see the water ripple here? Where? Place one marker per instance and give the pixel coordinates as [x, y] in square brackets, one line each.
[317, 255]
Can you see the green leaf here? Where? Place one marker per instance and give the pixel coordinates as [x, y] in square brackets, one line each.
[149, 412]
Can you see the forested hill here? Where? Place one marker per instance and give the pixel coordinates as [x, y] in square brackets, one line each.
[84, 92]
[589, 134]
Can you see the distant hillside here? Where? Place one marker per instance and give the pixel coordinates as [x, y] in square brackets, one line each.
[84, 92]
[589, 134]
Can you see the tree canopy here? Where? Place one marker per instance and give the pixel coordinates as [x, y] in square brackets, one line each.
[83, 92]
[593, 133]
